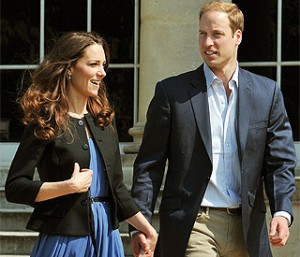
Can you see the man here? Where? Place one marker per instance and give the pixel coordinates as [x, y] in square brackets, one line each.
[226, 136]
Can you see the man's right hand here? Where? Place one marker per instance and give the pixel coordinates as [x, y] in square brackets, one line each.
[143, 246]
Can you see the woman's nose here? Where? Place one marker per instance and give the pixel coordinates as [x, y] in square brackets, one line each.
[101, 72]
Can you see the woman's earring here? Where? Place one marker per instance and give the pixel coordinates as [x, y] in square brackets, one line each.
[69, 77]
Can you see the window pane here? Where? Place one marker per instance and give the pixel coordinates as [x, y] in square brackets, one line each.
[114, 20]
[20, 23]
[291, 93]
[269, 72]
[63, 16]
[259, 38]
[120, 89]
[290, 28]
[10, 81]
[19, 38]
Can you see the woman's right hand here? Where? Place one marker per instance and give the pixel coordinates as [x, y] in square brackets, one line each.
[81, 180]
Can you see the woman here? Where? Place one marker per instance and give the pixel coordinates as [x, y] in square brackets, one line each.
[71, 139]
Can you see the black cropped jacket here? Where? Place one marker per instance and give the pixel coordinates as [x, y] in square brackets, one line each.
[66, 215]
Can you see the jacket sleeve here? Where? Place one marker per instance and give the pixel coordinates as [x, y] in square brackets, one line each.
[126, 207]
[150, 163]
[20, 186]
[280, 158]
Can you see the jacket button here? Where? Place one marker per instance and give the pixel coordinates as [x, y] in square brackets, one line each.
[80, 123]
[83, 202]
[85, 146]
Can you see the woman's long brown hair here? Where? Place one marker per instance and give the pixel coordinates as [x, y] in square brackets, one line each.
[45, 102]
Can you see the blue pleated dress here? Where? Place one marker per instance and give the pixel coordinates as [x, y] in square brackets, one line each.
[108, 241]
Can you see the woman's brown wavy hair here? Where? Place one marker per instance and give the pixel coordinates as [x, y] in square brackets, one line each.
[45, 102]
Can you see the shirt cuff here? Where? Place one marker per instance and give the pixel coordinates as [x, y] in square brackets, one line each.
[133, 232]
[285, 215]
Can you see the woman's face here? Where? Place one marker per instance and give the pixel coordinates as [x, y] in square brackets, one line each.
[88, 72]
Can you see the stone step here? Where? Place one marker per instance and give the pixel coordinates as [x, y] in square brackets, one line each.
[22, 243]
[3, 175]
[16, 242]
[14, 255]
[6, 205]
[14, 219]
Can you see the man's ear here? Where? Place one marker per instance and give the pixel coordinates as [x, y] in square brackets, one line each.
[238, 35]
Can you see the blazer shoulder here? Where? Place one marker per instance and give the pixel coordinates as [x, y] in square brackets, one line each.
[180, 76]
[248, 75]
[182, 79]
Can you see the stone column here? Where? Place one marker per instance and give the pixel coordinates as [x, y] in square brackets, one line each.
[168, 46]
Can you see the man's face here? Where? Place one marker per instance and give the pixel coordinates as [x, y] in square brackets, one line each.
[217, 43]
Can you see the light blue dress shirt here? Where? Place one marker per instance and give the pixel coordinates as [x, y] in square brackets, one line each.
[224, 187]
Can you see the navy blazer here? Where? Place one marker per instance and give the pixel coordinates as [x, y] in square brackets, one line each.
[66, 215]
[178, 132]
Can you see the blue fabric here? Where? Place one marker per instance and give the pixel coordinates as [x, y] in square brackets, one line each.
[109, 242]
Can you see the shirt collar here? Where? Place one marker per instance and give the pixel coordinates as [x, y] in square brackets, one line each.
[210, 77]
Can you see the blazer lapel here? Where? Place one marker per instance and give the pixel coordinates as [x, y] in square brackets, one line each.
[199, 102]
[245, 101]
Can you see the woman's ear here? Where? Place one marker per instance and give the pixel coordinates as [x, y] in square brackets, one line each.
[69, 74]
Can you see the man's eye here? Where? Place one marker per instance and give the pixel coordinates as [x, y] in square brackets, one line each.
[218, 34]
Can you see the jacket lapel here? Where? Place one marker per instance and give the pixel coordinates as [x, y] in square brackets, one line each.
[244, 109]
[199, 102]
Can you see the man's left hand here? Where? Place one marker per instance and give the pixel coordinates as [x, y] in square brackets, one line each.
[279, 231]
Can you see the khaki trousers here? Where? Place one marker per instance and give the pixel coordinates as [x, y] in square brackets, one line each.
[217, 233]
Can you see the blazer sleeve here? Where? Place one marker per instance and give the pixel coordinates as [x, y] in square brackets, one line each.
[280, 158]
[150, 163]
[20, 186]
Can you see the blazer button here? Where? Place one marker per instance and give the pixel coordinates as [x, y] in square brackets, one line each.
[80, 123]
[85, 146]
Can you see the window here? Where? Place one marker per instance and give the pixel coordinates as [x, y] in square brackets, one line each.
[27, 30]
[270, 47]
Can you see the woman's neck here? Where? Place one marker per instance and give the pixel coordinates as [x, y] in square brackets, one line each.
[76, 115]
[77, 111]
